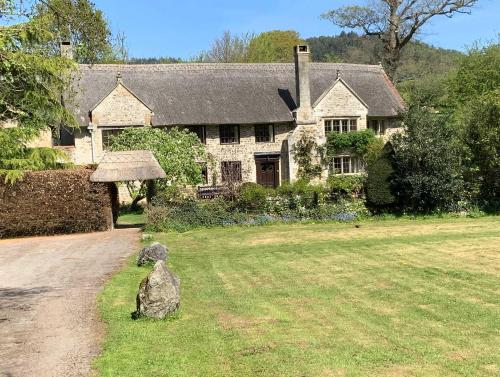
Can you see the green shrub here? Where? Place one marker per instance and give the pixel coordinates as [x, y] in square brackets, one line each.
[378, 185]
[173, 194]
[345, 186]
[301, 194]
[192, 214]
[427, 163]
[252, 196]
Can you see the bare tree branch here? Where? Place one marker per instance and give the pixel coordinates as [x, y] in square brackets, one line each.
[395, 21]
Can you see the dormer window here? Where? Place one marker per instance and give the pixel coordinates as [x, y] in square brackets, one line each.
[341, 125]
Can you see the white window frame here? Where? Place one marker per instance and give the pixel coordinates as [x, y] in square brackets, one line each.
[356, 165]
[350, 121]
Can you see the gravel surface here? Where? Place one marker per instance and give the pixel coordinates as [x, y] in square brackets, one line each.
[49, 325]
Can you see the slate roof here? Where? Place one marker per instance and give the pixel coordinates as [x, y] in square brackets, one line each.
[127, 166]
[211, 93]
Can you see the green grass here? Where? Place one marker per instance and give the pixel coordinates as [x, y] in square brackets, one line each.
[132, 218]
[390, 298]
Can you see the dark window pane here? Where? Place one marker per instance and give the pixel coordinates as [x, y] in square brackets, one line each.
[345, 124]
[354, 125]
[231, 171]
[66, 137]
[107, 135]
[264, 133]
[204, 172]
[328, 126]
[336, 125]
[229, 134]
[200, 131]
[383, 127]
[345, 165]
[337, 165]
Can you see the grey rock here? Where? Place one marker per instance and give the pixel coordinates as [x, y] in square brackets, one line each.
[159, 293]
[152, 254]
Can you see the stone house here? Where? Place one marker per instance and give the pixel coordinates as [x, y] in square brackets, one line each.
[248, 115]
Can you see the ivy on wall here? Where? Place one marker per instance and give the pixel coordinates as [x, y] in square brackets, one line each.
[352, 142]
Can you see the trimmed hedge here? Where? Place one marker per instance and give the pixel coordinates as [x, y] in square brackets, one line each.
[55, 201]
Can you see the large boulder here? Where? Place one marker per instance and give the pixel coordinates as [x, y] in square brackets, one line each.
[152, 254]
[159, 293]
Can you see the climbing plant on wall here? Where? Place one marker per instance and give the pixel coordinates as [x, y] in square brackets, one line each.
[307, 155]
[352, 142]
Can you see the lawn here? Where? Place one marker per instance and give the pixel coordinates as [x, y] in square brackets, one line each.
[131, 218]
[387, 298]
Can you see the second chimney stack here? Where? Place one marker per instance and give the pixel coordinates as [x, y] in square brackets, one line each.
[303, 113]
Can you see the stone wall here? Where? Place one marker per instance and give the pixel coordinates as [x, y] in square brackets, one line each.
[245, 151]
[121, 108]
[340, 102]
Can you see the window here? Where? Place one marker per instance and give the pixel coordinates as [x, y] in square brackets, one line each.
[264, 133]
[204, 172]
[106, 136]
[200, 131]
[66, 137]
[378, 126]
[231, 171]
[341, 125]
[229, 134]
[346, 165]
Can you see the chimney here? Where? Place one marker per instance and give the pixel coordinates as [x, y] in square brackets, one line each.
[303, 113]
[66, 49]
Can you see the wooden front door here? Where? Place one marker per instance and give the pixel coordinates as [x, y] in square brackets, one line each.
[267, 173]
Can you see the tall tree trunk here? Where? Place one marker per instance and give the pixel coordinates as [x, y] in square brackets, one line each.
[391, 41]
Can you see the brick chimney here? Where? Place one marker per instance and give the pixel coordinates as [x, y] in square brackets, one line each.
[66, 49]
[303, 113]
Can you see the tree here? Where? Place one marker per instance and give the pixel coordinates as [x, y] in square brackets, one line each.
[177, 152]
[273, 47]
[426, 161]
[228, 49]
[395, 22]
[478, 74]
[482, 138]
[379, 174]
[31, 87]
[474, 92]
[81, 23]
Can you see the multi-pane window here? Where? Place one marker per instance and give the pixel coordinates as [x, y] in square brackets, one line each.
[231, 171]
[346, 165]
[379, 126]
[229, 134]
[200, 131]
[107, 135]
[264, 133]
[341, 125]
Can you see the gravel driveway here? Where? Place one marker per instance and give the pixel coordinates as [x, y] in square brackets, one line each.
[49, 324]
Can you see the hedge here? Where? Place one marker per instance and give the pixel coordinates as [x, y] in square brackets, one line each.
[53, 202]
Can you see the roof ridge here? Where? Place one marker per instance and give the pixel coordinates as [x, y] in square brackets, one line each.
[215, 66]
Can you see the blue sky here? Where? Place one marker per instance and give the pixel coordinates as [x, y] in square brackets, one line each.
[184, 28]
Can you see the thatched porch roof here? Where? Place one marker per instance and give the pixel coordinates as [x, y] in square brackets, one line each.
[127, 166]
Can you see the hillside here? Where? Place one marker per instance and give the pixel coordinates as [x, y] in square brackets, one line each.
[418, 59]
